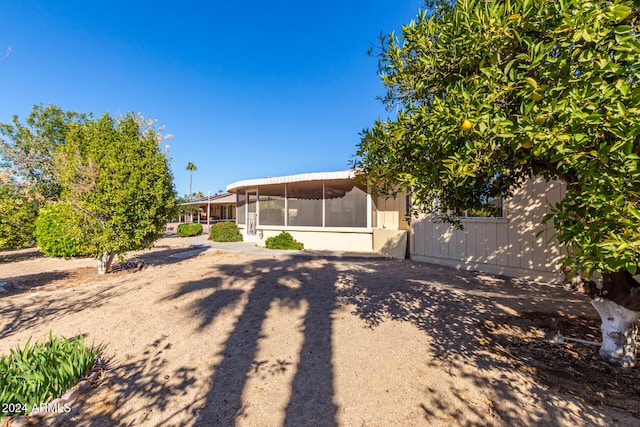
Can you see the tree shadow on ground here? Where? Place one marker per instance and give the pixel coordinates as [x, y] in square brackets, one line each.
[127, 379]
[32, 282]
[23, 283]
[17, 255]
[52, 305]
[572, 367]
[266, 283]
[449, 306]
[446, 304]
[167, 256]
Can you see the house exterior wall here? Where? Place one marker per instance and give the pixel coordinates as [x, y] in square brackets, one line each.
[324, 239]
[507, 246]
[390, 213]
[324, 211]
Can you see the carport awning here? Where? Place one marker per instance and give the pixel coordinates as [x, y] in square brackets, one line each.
[316, 176]
[220, 199]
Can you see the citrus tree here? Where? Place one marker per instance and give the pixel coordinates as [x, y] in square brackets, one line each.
[117, 189]
[490, 93]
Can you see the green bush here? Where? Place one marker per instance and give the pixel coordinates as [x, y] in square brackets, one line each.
[59, 232]
[225, 232]
[283, 240]
[17, 221]
[36, 374]
[188, 230]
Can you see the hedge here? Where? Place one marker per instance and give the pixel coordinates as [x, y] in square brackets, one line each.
[190, 229]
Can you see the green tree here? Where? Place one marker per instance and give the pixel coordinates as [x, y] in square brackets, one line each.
[26, 150]
[118, 181]
[191, 168]
[26, 165]
[17, 214]
[490, 93]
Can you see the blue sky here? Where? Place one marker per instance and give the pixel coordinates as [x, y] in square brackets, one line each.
[248, 89]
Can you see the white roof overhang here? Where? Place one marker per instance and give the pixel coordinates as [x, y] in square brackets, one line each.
[316, 176]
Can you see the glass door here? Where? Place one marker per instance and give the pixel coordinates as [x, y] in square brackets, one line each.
[252, 213]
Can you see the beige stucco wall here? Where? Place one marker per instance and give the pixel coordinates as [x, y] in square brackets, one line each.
[324, 239]
[392, 243]
[506, 246]
[390, 213]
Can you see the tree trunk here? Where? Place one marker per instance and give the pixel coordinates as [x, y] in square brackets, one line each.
[619, 332]
[104, 263]
[617, 301]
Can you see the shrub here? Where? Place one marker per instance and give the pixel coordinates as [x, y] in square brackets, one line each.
[59, 232]
[191, 229]
[16, 221]
[283, 240]
[36, 374]
[225, 232]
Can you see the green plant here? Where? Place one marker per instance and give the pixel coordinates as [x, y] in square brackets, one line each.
[550, 89]
[190, 229]
[115, 173]
[283, 240]
[36, 374]
[225, 232]
[58, 232]
[16, 218]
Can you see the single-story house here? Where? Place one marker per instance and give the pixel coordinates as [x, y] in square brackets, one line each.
[324, 211]
[336, 211]
[209, 209]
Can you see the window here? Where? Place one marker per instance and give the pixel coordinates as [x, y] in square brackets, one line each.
[240, 213]
[491, 209]
[305, 203]
[271, 205]
[345, 204]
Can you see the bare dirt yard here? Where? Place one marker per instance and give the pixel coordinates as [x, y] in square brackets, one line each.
[207, 338]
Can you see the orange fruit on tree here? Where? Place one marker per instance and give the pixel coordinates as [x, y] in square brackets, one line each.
[527, 145]
[466, 124]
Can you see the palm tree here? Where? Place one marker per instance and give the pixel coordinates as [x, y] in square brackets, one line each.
[191, 168]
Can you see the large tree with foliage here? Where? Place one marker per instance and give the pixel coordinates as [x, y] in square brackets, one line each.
[17, 213]
[117, 190]
[490, 93]
[26, 165]
[26, 149]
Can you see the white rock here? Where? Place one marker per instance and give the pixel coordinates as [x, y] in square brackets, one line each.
[71, 394]
[83, 386]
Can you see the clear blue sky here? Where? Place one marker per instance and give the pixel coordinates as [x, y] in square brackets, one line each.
[249, 89]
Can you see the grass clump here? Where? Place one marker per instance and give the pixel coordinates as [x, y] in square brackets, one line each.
[34, 375]
[188, 230]
[283, 240]
[225, 232]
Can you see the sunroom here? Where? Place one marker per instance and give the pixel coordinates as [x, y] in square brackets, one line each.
[325, 211]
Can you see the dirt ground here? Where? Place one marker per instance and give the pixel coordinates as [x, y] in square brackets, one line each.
[206, 338]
